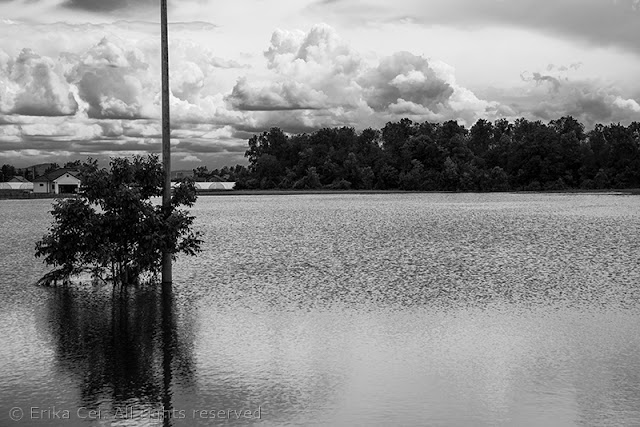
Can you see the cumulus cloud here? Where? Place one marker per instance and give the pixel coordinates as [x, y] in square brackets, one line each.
[320, 49]
[404, 76]
[10, 133]
[114, 81]
[310, 70]
[33, 85]
[627, 104]
[286, 95]
[329, 84]
[99, 92]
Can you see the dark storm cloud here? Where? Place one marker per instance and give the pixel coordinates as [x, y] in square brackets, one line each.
[29, 109]
[108, 5]
[404, 76]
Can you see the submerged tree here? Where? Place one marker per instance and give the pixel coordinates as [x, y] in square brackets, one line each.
[112, 228]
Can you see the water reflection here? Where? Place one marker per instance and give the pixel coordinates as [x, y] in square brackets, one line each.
[124, 350]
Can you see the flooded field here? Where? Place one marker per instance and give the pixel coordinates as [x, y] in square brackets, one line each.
[355, 309]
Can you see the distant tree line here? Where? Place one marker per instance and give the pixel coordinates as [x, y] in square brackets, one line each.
[499, 156]
[225, 174]
[7, 171]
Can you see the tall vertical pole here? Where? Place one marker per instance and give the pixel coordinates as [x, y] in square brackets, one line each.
[166, 141]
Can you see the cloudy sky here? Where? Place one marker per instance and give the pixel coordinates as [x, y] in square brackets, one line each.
[81, 78]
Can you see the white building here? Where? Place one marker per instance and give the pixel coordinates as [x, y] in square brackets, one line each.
[17, 183]
[211, 185]
[215, 185]
[59, 181]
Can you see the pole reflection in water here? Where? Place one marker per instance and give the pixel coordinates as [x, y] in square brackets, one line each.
[123, 352]
[168, 335]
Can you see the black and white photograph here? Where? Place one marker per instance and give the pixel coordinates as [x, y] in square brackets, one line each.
[319, 213]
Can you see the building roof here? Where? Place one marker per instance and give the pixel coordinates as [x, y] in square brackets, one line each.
[19, 179]
[53, 175]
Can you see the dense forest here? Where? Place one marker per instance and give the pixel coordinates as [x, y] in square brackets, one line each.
[499, 156]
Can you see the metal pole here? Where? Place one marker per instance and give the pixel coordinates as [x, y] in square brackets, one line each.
[166, 140]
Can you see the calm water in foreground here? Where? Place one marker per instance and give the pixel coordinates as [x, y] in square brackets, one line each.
[402, 309]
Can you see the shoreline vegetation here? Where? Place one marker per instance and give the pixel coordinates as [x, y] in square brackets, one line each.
[487, 157]
[276, 192]
[503, 156]
[21, 195]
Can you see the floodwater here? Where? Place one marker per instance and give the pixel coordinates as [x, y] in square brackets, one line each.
[342, 310]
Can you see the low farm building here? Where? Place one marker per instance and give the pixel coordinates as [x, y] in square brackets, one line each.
[215, 185]
[211, 185]
[17, 183]
[59, 181]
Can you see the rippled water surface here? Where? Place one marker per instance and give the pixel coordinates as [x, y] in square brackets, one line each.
[392, 309]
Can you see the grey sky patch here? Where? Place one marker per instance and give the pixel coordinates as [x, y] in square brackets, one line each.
[287, 96]
[45, 142]
[99, 145]
[219, 160]
[593, 109]
[138, 132]
[39, 110]
[539, 78]
[291, 128]
[227, 63]
[193, 147]
[108, 5]
[596, 22]
[543, 112]
[258, 106]
[240, 134]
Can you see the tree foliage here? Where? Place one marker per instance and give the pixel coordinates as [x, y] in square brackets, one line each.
[230, 174]
[7, 172]
[498, 156]
[113, 229]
